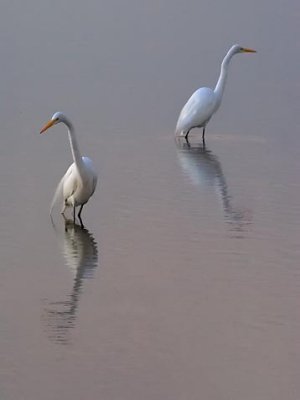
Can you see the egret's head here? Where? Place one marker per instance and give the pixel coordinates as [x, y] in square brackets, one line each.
[56, 119]
[239, 49]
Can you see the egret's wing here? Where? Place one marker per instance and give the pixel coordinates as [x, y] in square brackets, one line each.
[57, 194]
[60, 188]
[197, 111]
[70, 182]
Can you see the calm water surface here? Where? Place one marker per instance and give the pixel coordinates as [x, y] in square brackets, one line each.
[185, 282]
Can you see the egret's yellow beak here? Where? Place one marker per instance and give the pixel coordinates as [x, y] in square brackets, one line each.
[245, 50]
[48, 125]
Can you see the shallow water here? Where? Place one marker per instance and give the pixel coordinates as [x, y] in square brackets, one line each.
[184, 282]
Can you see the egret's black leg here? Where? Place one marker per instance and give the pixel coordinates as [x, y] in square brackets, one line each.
[74, 214]
[187, 142]
[187, 134]
[79, 216]
[79, 213]
[203, 135]
[81, 223]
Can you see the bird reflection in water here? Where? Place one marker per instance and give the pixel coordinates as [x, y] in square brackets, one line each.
[205, 170]
[81, 255]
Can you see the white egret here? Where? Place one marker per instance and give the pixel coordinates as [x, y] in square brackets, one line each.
[79, 182]
[204, 102]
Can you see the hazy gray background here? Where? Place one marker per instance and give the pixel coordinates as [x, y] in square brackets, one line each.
[185, 283]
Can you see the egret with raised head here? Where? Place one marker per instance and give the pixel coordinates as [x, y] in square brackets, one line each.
[204, 102]
[79, 182]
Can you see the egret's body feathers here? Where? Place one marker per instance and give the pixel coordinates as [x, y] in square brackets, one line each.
[197, 111]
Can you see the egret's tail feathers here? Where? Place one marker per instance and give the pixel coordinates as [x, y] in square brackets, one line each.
[58, 193]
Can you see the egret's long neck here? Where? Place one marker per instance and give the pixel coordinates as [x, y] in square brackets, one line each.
[220, 86]
[74, 147]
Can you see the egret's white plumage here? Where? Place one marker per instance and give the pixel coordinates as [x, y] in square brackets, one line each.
[79, 182]
[204, 102]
